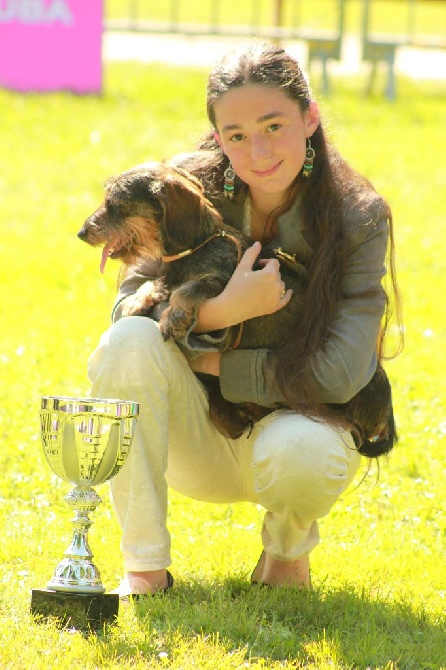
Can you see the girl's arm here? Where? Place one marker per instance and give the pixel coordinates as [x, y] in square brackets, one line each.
[348, 359]
[249, 293]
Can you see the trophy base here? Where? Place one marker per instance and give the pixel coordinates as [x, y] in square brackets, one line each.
[82, 611]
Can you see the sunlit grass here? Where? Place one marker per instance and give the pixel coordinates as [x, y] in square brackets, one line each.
[379, 573]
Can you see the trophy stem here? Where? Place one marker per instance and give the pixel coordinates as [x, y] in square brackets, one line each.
[76, 573]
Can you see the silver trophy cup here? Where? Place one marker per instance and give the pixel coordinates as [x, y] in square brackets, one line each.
[86, 441]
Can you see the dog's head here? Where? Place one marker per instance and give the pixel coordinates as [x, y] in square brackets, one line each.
[150, 210]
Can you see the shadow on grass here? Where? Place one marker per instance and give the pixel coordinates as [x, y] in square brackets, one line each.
[355, 630]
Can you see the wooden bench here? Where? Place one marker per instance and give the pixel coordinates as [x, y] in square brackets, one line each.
[383, 47]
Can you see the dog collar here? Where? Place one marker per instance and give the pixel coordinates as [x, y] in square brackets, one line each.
[188, 252]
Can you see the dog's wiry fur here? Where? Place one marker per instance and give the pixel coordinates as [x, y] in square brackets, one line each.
[156, 210]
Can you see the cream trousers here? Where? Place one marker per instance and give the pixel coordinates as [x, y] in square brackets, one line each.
[294, 467]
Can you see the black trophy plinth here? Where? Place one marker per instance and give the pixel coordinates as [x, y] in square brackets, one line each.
[82, 611]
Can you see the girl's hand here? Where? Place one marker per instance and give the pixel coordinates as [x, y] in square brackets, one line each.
[208, 363]
[249, 293]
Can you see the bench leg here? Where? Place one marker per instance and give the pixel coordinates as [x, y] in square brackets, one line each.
[390, 91]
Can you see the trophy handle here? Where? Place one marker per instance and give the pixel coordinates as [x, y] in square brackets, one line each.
[76, 573]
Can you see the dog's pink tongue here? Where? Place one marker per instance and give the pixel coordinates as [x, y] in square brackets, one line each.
[105, 254]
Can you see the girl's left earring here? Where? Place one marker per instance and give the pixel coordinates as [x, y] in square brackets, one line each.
[228, 186]
[309, 158]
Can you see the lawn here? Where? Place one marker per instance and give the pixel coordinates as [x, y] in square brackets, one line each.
[379, 573]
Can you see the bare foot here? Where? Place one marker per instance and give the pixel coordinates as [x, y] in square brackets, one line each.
[272, 572]
[143, 583]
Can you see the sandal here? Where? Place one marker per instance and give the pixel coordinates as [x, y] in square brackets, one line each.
[125, 595]
[259, 565]
[259, 568]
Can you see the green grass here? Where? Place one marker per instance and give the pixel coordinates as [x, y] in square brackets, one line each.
[379, 572]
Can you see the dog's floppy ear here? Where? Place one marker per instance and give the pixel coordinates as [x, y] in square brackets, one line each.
[186, 212]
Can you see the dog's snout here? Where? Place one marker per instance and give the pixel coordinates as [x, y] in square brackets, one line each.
[82, 234]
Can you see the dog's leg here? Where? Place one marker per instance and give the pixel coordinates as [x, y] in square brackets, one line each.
[146, 297]
[183, 307]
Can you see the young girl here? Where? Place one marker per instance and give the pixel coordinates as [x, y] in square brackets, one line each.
[268, 168]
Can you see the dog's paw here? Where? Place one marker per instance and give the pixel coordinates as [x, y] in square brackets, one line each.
[142, 302]
[137, 306]
[174, 324]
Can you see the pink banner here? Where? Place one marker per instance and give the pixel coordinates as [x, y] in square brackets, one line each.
[48, 45]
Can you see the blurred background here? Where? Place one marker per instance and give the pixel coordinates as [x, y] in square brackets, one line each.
[43, 37]
[347, 36]
[88, 89]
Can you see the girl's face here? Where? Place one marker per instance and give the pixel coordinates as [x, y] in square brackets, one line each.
[263, 133]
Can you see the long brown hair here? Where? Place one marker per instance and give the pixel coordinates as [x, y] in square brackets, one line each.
[333, 189]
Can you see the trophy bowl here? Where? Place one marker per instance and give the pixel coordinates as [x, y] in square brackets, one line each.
[86, 441]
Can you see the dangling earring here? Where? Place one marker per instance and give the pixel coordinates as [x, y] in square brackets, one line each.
[309, 157]
[228, 187]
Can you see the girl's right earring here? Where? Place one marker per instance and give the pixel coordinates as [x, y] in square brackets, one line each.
[309, 157]
[228, 186]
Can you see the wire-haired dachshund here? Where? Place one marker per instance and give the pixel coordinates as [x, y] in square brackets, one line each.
[159, 212]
